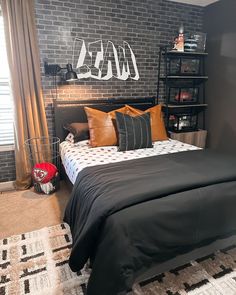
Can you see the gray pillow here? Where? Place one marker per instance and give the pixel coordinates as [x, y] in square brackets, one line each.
[134, 132]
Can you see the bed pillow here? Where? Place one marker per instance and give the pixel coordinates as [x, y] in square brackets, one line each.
[70, 138]
[134, 132]
[102, 128]
[157, 123]
[79, 130]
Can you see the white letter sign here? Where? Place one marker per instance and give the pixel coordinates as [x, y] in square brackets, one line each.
[93, 62]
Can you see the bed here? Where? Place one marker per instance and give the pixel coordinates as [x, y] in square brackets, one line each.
[132, 220]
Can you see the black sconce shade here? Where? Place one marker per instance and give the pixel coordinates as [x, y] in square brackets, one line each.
[70, 75]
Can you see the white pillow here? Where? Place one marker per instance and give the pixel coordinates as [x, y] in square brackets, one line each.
[70, 138]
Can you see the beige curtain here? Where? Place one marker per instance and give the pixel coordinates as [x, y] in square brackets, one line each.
[23, 56]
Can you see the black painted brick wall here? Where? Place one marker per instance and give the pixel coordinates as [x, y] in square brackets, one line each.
[145, 25]
[7, 166]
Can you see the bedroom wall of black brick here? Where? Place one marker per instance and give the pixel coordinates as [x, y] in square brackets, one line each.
[145, 25]
[7, 166]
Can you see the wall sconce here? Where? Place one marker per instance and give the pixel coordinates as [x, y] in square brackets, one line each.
[55, 69]
[70, 74]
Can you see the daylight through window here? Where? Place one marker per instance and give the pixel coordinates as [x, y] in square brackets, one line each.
[6, 104]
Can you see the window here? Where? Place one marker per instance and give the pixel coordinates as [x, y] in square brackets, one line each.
[6, 104]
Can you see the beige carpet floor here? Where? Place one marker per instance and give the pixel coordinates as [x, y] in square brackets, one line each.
[23, 211]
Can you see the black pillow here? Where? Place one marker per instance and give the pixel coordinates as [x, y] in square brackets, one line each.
[79, 130]
[134, 132]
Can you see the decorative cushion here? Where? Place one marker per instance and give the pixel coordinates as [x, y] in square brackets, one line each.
[79, 130]
[157, 123]
[134, 132]
[102, 129]
[70, 138]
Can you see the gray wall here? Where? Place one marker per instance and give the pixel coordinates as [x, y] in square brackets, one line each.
[7, 166]
[220, 25]
[144, 24]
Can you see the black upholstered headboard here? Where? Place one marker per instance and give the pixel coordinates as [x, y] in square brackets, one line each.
[73, 111]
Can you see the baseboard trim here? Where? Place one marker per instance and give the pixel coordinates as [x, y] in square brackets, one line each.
[7, 186]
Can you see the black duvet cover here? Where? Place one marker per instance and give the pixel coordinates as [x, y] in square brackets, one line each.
[127, 216]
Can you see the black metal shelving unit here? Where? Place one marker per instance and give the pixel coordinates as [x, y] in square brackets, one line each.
[181, 76]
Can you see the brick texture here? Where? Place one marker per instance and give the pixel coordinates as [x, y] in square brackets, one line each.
[7, 166]
[145, 25]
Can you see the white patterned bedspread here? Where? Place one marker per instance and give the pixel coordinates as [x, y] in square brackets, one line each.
[77, 156]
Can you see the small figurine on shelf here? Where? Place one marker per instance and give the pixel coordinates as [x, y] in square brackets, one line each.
[179, 41]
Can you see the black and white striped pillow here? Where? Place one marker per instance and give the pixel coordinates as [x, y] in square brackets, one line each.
[134, 132]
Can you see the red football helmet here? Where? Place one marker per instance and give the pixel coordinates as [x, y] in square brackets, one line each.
[44, 172]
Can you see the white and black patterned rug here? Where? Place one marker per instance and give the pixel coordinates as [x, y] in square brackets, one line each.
[37, 263]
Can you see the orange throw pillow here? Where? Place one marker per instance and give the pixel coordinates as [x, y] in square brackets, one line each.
[157, 122]
[101, 127]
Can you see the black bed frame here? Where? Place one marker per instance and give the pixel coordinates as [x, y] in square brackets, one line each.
[73, 110]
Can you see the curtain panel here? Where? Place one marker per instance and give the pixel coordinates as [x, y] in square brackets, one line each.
[24, 63]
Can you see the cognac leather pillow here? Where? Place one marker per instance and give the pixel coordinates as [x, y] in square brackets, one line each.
[157, 123]
[102, 129]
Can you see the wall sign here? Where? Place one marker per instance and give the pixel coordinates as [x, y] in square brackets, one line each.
[93, 61]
